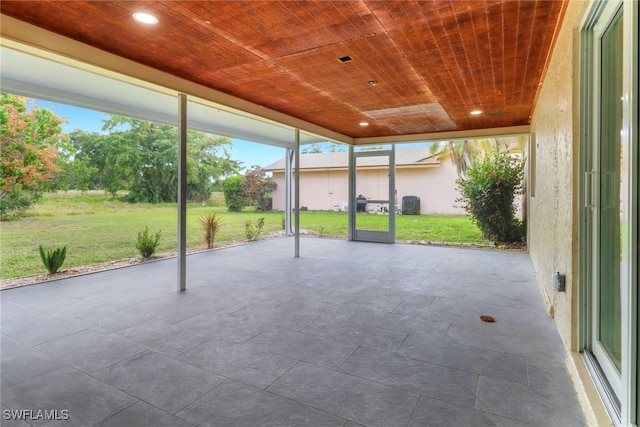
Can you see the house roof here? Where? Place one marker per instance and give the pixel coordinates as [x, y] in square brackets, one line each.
[404, 157]
[412, 69]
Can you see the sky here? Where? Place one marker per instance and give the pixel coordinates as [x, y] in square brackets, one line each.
[250, 153]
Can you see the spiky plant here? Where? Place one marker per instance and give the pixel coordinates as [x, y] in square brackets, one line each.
[210, 224]
[53, 259]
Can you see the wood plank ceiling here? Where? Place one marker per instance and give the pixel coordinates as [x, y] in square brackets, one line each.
[433, 62]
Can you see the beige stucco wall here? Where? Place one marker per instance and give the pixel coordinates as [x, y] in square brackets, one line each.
[553, 208]
[553, 226]
[322, 190]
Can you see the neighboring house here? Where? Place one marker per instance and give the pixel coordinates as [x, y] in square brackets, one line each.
[324, 181]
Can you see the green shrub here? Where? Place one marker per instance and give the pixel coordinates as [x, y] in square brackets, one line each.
[53, 259]
[210, 225]
[233, 193]
[251, 232]
[147, 244]
[488, 190]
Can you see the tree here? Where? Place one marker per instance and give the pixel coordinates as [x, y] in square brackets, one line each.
[98, 156]
[147, 157]
[257, 188]
[28, 142]
[463, 153]
[205, 165]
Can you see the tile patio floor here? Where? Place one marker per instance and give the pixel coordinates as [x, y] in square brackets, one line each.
[348, 334]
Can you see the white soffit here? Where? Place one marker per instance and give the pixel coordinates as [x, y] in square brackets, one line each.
[40, 78]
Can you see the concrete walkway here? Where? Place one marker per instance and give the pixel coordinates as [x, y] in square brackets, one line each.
[348, 334]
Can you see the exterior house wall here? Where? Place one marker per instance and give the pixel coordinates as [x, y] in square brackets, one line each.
[436, 188]
[326, 189]
[553, 226]
[553, 207]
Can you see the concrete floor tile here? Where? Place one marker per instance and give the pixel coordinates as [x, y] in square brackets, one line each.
[528, 404]
[163, 382]
[87, 400]
[510, 367]
[427, 379]
[235, 404]
[107, 319]
[437, 413]
[400, 323]
[545, 375]
[366, 402]
[300, 346]
[39, 329]
[357, 333]
[245, 363]
[162, 337]
[21, 363]
[223, 325]
[90, 351]
[170, 310]
[142, 414]
[488, 338]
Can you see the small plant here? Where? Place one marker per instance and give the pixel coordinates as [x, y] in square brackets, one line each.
[210, 225]
[147, 244]
[53, 259]
[251, 232]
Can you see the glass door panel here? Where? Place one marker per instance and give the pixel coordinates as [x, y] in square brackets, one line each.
[374, 218]
[610, 210]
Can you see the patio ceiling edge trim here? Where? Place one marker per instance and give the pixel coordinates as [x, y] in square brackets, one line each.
[447, 136]
[36, 41]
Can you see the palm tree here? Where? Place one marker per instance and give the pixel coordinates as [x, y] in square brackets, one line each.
[464, 152]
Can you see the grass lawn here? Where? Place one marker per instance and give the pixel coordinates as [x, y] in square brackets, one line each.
[97, 229]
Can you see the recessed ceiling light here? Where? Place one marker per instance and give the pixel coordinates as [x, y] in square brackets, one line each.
[145, 18]
[372, 82]
[476, 112]
[364, 124]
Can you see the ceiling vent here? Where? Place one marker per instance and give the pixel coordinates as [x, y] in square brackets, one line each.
[344, 58]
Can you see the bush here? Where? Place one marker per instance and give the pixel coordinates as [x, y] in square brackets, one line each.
[15, 203]
[233, 193]
[53, 259]
[210, 225]
[257, 189]
[252, 233]
[147, 244]
[488, 190]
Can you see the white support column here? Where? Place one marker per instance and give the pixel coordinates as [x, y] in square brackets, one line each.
[297, 195]
[288, 159]
[182, 192]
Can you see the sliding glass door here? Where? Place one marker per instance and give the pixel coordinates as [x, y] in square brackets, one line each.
[609, 230]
